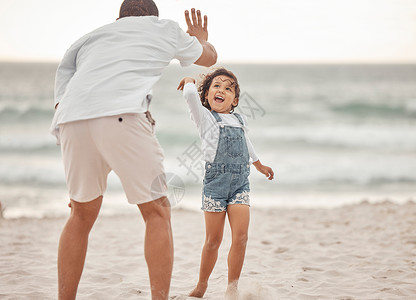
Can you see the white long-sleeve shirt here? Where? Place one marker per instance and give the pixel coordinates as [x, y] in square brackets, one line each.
[208, 127]
[110, 70]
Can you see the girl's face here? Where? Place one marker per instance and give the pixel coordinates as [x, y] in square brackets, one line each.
[221, 94]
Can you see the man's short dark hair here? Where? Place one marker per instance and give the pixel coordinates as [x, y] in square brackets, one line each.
[138, 8]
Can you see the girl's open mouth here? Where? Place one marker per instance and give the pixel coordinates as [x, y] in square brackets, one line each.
[219, 99]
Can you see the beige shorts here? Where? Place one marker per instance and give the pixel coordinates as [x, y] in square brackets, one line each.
[125, 144]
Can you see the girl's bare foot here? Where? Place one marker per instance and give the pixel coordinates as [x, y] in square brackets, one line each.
[199, 291]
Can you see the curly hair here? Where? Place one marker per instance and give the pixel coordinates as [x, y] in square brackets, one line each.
[138, 8]
[207, 81]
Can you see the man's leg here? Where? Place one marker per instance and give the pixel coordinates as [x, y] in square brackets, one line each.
[73, 246]
[158, 246]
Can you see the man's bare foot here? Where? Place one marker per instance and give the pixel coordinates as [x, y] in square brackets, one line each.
[199, 291]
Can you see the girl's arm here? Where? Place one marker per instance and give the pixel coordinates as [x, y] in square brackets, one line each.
[250, 148]
[192, 98]
[259, 166]
[264, 169]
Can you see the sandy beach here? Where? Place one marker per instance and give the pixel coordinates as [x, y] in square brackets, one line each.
[362, 251]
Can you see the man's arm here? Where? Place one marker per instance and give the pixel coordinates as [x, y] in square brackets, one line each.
[199, 29]
[64, 73]
[66, 69]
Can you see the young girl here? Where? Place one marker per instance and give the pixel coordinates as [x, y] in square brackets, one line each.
[227, 151]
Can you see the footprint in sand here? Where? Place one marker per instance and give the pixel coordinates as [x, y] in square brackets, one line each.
[281, 250]
[311, 269]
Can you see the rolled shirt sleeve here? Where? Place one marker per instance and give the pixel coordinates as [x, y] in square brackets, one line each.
[188, 48]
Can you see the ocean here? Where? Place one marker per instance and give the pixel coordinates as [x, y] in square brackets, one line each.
[333, 134]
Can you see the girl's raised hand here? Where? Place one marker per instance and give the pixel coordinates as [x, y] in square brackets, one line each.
[185, 81]
[264, 169]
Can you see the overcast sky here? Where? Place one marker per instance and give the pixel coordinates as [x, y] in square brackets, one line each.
[242, 31]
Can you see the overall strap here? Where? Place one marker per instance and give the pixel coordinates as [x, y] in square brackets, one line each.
[240, 119]
[216, 116]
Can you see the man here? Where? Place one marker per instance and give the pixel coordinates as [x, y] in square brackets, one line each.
[102, 121]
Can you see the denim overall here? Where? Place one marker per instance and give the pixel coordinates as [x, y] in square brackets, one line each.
[226, 178]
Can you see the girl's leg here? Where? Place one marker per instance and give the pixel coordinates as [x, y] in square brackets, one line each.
[239, 217]
[214, 228]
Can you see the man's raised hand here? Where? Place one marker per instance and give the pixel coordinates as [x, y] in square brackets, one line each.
[196, 27]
